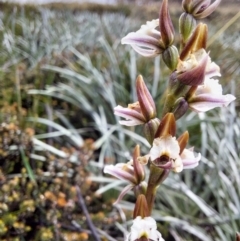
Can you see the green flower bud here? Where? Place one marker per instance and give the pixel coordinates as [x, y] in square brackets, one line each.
[150, 129]
[187, 24]
[198, 40]
[170, 57]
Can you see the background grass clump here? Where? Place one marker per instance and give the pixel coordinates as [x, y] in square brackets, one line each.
[63, 70]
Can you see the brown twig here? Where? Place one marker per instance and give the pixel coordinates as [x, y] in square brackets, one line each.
[81, 203]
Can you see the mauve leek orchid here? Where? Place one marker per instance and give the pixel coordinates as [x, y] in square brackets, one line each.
[141, 111]
[166, 154]
[132, 172]
[147, 40]
[144, 229]
[209, 96]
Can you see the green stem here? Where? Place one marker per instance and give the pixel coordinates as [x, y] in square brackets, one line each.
[176, 91]
[19, 98]
[169, 104]
[157, 176]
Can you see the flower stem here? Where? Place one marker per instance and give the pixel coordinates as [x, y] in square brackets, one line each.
[169, 104]
[157, 176]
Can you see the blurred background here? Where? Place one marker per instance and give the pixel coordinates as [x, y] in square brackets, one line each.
[62, 71]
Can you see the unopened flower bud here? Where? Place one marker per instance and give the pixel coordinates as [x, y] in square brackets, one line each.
[237, 236]
[139, 112]
[187, 24]
[170, 57]
[150, 129]
[198, 40]
[183, 140]
[145, 99]
[166, 26]
[138, 167]
[141, 207]
[167, 126]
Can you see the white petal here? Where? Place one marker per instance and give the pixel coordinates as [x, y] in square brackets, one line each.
[126, 174]
[132, 116]
[146, 41]
[212, 70]
[166, 145]
[144, 227]
[210, 86]
[189, 159]
[124, 191]
[147, 52]
[130, 122]
[177, 165]
[149, 28]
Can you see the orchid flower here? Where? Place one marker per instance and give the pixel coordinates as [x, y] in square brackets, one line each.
[200, 8]
[140, 112]
[144, 229]
[166, 153]
[208, 94]
[132, 172]
[147, 40]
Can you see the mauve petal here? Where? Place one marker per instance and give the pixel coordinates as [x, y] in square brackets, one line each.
[200, 6]
[168, 165]
[205, 102]
[124, 192]
[120, 173]
[130, 123]
[141, 40]
[196, 75]
[129, 114]
[212, 70]
[146, 52]
[189, 159]
[208, 10]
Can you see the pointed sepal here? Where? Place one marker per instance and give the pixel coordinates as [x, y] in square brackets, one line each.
[167, 126]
